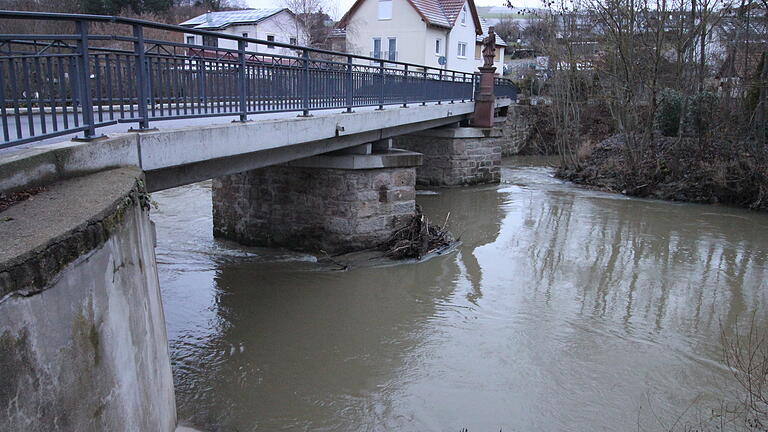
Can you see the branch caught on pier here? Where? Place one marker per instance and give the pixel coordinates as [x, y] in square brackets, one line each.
[418, 238]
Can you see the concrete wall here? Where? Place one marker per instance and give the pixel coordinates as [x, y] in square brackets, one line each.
[313, 209]
[456, 156]
[83, 345]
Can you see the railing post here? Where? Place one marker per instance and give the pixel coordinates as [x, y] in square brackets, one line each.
[305, 85]
[453, 84]
[440, 87]
[142, 85]
[424, 86]
[405, 87]
[381, 83]
[350, 85]
[463, 84]
[86, 101]
[241, 87]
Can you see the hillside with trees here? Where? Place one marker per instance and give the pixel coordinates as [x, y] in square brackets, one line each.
[683, 85]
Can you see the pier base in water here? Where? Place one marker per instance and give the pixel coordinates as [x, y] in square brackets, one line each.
[335, 203]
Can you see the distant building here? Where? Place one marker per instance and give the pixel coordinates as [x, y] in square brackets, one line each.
[278, 25]
[437, 33]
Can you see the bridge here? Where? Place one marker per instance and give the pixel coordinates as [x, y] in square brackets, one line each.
[308, 149]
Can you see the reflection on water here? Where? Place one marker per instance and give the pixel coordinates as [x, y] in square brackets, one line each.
[563, 309]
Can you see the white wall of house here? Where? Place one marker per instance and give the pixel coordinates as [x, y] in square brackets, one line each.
[464, 33]
[405, 26]
[282, 26]
[431, 57]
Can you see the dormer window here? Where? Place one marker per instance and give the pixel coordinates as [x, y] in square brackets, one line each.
[385, 9]
[464, 15]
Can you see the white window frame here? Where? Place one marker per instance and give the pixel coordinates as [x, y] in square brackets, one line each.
[464, 15]
[461, 50]
[190, 40]
[385, 9]
[273, 40]
[437, 47]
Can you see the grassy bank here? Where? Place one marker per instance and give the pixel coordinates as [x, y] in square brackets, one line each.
[673, 168]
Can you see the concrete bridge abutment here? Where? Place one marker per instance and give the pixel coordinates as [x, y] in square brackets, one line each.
[455, 155]
[339, 202]
[83, 344]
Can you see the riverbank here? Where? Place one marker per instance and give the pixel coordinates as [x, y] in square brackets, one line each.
[676, 169]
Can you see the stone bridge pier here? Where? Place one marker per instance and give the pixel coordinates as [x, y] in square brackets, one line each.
[350, 199]
[342, 201]
[455, 155]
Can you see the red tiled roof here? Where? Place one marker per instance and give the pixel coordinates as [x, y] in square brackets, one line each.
[441, 13]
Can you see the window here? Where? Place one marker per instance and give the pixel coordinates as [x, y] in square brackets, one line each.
[478, 51]
[294, 41]
[437, 46]
[190, 40]
[376, 48]
[392, 54]
[385, 9]
[211, 41]
[270, 38]
[245, 35]
[464, 15]
[462, 50]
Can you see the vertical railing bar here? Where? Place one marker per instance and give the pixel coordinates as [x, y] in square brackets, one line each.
[63, 93]
[28, 97]
[14, 94]
[108, 77]
[52, 93]
[99, 99]
[3, 112]
[41, 106]
[162, 84]
[119, 79]
[424, 87]
[75, 83]
[176, 98]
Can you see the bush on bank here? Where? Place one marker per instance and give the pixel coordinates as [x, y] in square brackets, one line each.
[675, 168]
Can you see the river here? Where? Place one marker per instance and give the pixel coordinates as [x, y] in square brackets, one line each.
[563, 309]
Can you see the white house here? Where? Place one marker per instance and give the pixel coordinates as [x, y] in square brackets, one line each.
[279, 25]
[417, 31]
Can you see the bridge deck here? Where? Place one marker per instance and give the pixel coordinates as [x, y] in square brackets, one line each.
[174, 157]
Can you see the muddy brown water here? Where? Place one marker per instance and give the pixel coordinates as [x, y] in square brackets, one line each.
[564, 309]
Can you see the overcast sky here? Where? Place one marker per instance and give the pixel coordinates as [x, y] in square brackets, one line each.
[339, 7]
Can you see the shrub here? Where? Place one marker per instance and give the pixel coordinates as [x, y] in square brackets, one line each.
[700, 114]
[667, 116]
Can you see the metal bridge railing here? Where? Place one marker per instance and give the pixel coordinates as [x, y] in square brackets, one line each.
[110, 70]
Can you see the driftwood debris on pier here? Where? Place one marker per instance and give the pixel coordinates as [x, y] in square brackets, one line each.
[417, 238]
